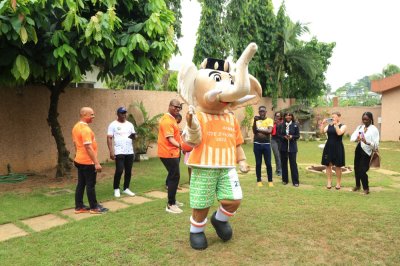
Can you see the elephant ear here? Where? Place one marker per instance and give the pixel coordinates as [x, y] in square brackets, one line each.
[186, 77]
[255, 90]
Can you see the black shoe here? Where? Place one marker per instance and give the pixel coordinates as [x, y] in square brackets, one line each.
[366, 191]
[354, 189]
[198, 241]
[296, 185]
[223, 229]
[284, 183]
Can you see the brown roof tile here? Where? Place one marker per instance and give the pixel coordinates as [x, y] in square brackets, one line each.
[386, 84]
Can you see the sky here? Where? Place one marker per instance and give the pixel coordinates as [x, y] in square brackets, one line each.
[366, 34]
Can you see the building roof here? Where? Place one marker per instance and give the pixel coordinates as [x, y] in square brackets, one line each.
[386, 84]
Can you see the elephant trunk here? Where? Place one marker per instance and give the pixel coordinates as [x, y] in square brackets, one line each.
[241, 86]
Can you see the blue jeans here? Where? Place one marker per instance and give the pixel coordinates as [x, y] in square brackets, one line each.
[261, 150]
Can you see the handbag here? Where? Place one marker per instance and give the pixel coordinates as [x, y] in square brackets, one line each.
[375, 161]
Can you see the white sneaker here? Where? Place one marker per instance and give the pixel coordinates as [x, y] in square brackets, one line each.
[179, 204]
[128, 192]
[116, 193]
[173, 209]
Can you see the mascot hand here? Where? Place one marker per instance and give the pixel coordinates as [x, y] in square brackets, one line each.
[244, 167]
[192, 132]
[191, 118]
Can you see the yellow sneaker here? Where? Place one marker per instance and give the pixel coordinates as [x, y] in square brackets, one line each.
[259, 184]
[270, 184]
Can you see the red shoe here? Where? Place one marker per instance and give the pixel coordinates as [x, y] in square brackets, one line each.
[83, 209]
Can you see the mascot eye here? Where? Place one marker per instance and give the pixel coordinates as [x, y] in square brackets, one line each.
[232, 83]
[217, 77]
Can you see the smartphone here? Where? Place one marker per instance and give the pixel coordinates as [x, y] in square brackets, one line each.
[329, 120]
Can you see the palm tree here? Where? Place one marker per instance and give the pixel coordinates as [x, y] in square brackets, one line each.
[290, 55]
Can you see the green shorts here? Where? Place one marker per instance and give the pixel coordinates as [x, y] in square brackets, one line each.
[205, 183]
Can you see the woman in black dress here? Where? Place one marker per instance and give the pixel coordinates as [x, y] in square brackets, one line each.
[333, 154]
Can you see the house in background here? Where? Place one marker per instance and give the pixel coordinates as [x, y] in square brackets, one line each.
[390, 89]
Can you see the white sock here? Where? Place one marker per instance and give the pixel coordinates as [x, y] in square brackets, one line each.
[223, 215]
[196, 227]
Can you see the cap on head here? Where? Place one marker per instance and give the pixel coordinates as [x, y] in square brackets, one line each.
[121, 110]
[216, 64]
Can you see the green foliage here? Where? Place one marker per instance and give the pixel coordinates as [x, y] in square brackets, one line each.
[358, 94]
[211, 41]
[299, 66]
[248, 119]
[284, 65]
[48, 41]
[146, 128]
[117, 82]
[172, 84]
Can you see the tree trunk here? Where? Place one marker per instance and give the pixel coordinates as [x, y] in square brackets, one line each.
[64, 164]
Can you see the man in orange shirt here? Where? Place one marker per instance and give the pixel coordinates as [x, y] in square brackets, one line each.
[169, 146]
[87, 163]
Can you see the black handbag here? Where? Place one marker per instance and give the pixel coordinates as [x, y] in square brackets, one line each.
[375, 161]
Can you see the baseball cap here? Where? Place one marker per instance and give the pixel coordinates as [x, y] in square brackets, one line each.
[121, 110]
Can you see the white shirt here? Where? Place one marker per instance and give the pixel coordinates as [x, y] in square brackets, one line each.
[371, 136]
[120, 133]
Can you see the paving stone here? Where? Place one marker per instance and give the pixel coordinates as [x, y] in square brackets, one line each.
[44, 222]
[136, 200]
[385, 172]
[114, 205]
[10, 230]
[183, 190]
[71, 213]
[305, 186]
[157, 194]
[59, 192]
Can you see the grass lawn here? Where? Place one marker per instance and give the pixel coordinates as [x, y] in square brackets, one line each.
[282, 225]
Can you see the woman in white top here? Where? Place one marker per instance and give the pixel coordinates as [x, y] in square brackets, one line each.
[367, 136]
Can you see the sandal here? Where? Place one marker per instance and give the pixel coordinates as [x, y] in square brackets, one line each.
[337, 188]
[328, 187]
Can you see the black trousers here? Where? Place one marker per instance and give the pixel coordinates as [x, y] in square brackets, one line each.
[293, 167]
[123, 162]
[86, 178]
[361, 167]
[172, 166]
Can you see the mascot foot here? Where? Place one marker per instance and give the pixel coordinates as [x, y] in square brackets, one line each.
[198, 241]
[223, 229]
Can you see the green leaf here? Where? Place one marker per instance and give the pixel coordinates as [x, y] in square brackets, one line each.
[22, 65]
[135, 28]
[23, 35]
[69, 19]
[16, 24]
[30, 21]
[4, 28]
[3, 6]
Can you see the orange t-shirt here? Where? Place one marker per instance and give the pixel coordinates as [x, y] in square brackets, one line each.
[81, 135]
[168, 127]
[220, 136]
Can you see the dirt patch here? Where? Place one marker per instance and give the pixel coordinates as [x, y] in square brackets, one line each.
[47, 180]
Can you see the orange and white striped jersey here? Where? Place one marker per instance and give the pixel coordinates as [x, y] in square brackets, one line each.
[220, 136]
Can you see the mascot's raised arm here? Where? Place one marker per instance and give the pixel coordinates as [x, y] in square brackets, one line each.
[216, 138]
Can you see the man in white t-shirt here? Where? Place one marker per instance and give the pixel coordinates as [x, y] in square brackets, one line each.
[123, 133]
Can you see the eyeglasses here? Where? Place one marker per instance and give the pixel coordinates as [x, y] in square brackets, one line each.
[177, 107]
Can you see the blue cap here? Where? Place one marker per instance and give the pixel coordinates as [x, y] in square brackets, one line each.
[121, 110]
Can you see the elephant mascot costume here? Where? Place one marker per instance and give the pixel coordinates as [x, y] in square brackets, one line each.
[214, 134]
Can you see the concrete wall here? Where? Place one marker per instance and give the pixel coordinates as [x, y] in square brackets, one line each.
[390, 115]
[25, 138]
[350, 116]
